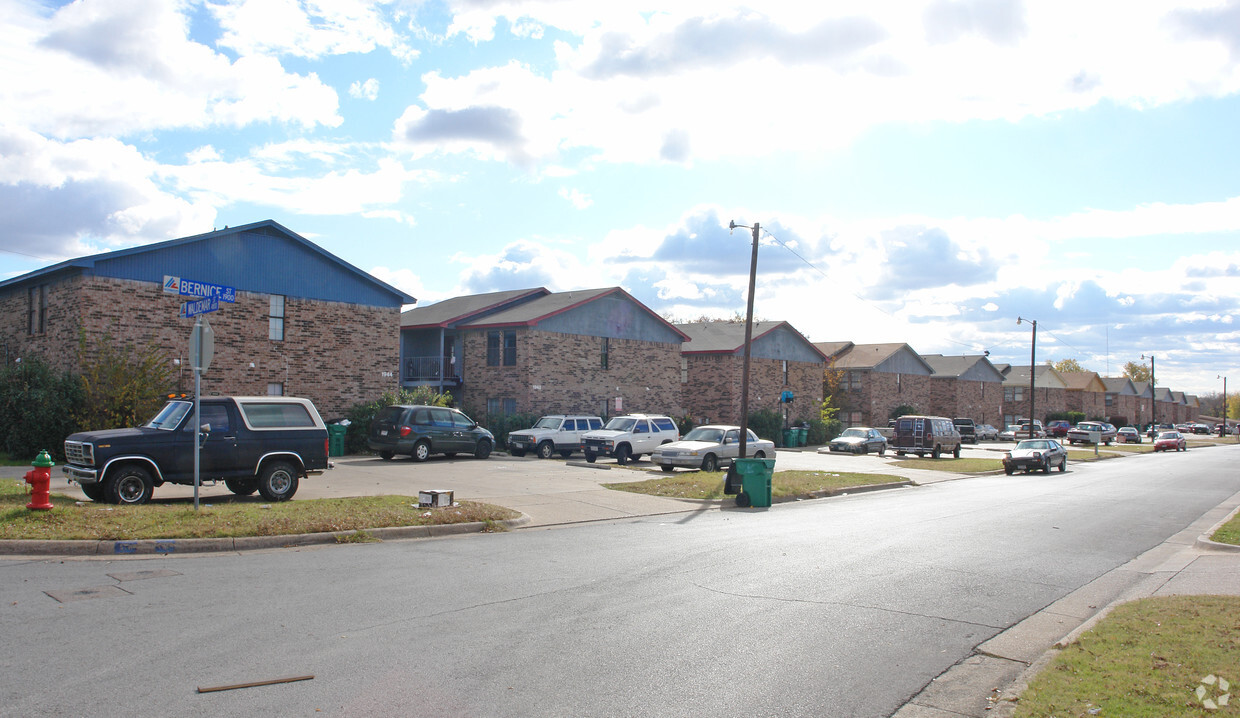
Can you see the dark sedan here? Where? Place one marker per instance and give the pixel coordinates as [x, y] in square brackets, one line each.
[1032, 454]
[859, 440]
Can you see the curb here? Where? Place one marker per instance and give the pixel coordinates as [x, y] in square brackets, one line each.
[1203, 541]
[164, 547]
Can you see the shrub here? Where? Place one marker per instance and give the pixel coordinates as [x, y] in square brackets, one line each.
[37, 409]
[121, 386]
[360, 415]
[685, 424]
[502, 425]
[903, 410]
[767, 424]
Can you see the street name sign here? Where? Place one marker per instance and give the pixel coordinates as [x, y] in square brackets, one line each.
[200, 306]
[192, 288]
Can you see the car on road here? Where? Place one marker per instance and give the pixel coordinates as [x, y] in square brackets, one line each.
[986, 432]
[859, 440]
[1058, 428]
[1170, 441]
[1201, 429]
[967, 429]
[419, 431]
[1037, 432]
[921, 435]
[710, 448]
[1034, 454]
[554, 433]
[1128, 435]
[1009, 432]
[1152, 430]
[1083, 433]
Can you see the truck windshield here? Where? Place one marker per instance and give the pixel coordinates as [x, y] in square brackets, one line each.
[621, 423]
[548, 422]
[170, 416]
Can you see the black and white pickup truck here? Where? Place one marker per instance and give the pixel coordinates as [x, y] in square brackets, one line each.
[260, 443]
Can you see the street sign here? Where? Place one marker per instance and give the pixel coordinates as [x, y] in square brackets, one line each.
[193, 288]
[201, 306]
[201, 346]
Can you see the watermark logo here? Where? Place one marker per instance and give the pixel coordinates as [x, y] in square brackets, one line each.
[1213, 692]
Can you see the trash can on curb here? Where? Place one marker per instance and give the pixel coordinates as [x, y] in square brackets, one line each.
[790, 437]
[335, 439]
[755, 476]
[802, 435]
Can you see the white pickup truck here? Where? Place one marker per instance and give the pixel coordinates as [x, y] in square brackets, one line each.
[552, 433]
[628, 437]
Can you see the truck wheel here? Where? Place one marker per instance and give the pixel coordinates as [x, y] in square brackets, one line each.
[421, 451]
[566, 454]
[483, 449]
[546, 450]
[1008, 470]
[936, 453]
[94, 491]
[590, 457]
[517, 452]
[760, 455]
[278, 481]
[622, 454]
[710, 464]
[956, 453]
[386, 455]
[129, 485]
[241, 487]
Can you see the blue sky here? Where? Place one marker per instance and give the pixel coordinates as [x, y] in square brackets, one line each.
[926, 172]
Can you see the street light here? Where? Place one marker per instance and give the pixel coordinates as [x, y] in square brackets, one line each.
[1153, 396]
[1033, 348]
[1220, 376]
[753, 276]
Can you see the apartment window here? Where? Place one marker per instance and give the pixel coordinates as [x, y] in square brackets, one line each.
[37, 303]
[275, 319]
[852, 381]
[502, 348]
[1013, 393]
[501, 407]
[275, 388]
[785, 372]
[605, 349]
[684, 369]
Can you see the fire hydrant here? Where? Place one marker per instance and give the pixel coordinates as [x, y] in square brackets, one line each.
[40, 480]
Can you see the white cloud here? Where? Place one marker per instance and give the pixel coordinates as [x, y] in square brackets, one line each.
[367, 90]
[307, 28]
[579, 199]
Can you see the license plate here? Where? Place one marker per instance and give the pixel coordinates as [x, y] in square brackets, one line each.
[383, 432]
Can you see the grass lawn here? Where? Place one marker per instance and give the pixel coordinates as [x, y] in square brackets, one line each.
[959, 466]
[701, 485]
[1088, 454]
[1146, 659]
[240, 516]
[1229, 533]
[6, 460]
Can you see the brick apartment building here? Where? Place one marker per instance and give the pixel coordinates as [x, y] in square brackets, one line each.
[304, 322]
[877, 378]
[965, 386]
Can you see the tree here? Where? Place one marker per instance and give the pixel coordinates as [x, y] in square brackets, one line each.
[1137, 371]
[122, 385]
[1065, 365]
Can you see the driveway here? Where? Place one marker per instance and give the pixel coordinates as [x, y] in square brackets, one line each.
[550, 492]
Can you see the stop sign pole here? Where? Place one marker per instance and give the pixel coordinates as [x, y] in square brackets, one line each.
[201, 351]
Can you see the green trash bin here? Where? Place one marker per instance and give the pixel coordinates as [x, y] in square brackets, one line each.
[335, 439]
[802, 435]
[790, 437]
[755, 477]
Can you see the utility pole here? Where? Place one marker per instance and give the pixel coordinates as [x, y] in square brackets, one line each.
[1033, 351]
[1153, 398]
[753, 276]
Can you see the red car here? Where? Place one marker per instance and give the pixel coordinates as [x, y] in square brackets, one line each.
[1058, 428]
[1169, 441]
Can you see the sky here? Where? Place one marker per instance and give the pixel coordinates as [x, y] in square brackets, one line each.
[920, 172]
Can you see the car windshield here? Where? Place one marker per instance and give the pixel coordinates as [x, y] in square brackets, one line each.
[170, 416]
[1013, 428]
[1033, 444]
[705, 433]
[620, 423]
[548, 422]
[1169, 435]
[859, 433]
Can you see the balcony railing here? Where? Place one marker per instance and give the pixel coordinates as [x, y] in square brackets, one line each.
[429, 369]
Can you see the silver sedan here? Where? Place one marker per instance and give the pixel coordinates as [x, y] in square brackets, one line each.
[710, 447]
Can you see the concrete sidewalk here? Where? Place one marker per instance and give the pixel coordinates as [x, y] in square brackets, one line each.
[988, 682]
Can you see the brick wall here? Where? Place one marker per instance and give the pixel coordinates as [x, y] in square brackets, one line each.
[713, 390]
[333, 353]
[977, 400]
[881, 392]
[1090, 403]
[563, 373]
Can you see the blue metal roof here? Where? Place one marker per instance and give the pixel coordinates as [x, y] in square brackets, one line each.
[261, 257]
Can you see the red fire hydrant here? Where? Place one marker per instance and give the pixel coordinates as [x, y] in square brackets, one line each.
[40, 480]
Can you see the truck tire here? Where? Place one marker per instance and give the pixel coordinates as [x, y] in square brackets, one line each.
[956, 452]
[130, 485]
[936, 453]
[622, 454]
[590, 457]
[386, 455]
[94, 491]
[566, 454]
[546, 450]
[421, 451]
[278, 481]
[241, 487]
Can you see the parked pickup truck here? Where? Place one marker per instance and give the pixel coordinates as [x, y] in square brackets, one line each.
[628, 437]
[262, 443]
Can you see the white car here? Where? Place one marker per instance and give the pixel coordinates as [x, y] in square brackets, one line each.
[709, 448]
[556, 432]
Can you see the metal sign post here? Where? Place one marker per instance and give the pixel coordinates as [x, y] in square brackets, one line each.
[201, 351]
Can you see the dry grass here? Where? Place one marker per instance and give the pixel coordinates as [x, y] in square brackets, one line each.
[1145, 660]
[701, 485]
[956, 466]
[239, 516]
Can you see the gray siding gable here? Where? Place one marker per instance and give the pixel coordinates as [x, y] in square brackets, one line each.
[784, 344]
[903, 362]
[615, 316]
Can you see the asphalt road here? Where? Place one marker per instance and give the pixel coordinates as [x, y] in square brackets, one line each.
[844, 606]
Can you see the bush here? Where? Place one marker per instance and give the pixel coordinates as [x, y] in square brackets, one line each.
[37, 409]
[121, 386]
[822, 432]
[685, 424]
[361, 415]
[767, 424]
[1072, 417]
[903, 410]
[504, 424]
